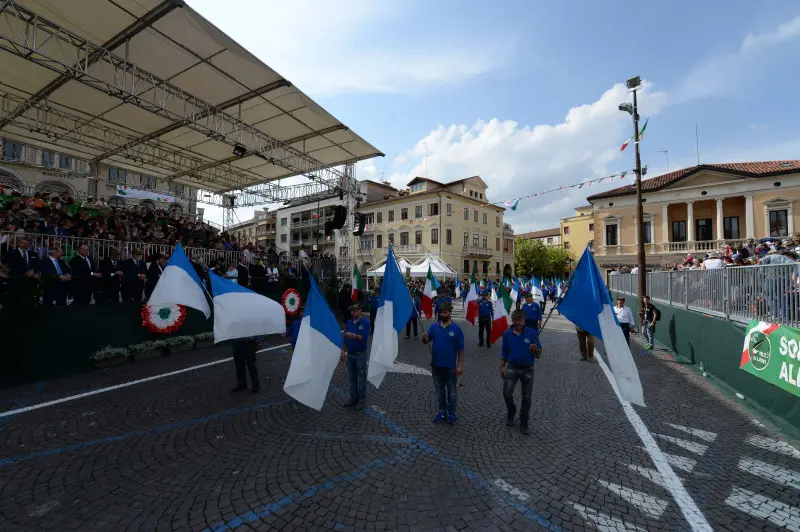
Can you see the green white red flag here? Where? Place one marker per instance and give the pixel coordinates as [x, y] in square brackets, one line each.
[428, 294]
[357, 282]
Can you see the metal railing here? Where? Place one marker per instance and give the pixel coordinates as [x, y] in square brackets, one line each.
[739, 293]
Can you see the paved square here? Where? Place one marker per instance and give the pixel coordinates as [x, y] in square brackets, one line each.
[183, 453]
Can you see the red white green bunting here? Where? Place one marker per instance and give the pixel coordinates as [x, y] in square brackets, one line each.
[163, 319]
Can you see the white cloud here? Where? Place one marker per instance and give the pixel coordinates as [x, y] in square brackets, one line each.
[326, 47]
[779, 35]
[516, 160]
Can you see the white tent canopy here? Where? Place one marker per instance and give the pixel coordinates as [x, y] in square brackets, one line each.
[378, 271]
[437, 266]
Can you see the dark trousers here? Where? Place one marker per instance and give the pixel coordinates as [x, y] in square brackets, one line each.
[525, 376]
[484, 323]
[626, 330]
[372, 314]
[413, 321]
[82, 296]
[357, 371]
[586, 344]
[132, 291]
[445, 381]
[244, 353]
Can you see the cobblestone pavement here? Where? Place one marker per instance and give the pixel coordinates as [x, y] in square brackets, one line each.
[182, 453]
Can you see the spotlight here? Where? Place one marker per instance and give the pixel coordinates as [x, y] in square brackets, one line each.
[634, 83]
[626, 107]
[239, 150]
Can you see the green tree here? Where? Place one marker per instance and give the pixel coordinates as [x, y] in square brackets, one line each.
[534, 257]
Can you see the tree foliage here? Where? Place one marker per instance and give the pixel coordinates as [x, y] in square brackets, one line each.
[533, 257]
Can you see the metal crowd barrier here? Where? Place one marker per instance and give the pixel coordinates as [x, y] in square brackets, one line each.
[740, 293]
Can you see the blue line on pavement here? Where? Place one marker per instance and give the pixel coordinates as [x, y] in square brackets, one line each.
[300, 496]
[24, 400]
[144, 432]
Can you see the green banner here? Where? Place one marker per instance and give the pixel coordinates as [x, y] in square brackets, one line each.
[772, 352]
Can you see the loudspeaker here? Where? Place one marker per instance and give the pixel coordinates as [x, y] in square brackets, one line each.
[339, 217]
[359, 224]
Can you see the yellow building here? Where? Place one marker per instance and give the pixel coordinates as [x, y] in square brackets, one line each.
[696, 210]
[578, 231]
[548, 237]
[448, 220]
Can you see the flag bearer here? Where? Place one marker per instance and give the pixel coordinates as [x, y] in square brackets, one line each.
[533, 314]
[447, 362]
[485, 315]
[354, 353]
[520, 347]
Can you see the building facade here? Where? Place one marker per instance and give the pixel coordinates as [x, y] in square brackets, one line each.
[452, 221]
[30, 169]
[548, 237]
[696, 210]
[578, 231]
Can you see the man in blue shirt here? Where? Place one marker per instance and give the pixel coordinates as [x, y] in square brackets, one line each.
[294, 328]
[438, 302]
[447, 361]
[533, 312]
[415, 297]
[485, 315]
[354, 352]
[520, 347]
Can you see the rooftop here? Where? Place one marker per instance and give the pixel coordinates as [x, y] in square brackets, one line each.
[556, 231]
[751, 169]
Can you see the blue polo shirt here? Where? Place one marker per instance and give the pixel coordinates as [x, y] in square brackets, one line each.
[446, 343]
[533, 314]
[516, 347]
[485, 309]
[294, 330]
[360, 327]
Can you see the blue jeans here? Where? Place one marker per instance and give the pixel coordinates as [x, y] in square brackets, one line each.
[357, 370]
[445, 380]
[649, 333]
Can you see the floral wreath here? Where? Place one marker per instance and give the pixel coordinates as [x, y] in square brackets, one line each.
[291, 301]
[163, 319]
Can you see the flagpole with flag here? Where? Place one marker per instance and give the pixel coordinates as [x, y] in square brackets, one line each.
[179, 284]
[500, 321]
[241, 313]
[472, 300]
[428, 294]
[357, 283]
[588, 305]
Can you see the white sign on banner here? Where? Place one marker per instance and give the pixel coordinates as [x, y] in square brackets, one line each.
[135, 193]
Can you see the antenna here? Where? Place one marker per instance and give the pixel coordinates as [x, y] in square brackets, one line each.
[665, 152]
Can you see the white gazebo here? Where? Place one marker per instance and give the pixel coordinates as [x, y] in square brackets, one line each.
[437, 266]
[378, 271]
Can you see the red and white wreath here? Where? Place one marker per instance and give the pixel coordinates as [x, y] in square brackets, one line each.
[164, 318]
[291, 301]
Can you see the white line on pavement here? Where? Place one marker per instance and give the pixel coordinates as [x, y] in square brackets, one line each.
[696, 448]
[781, 475]
[604, 522]
[763, 507]
[400, 367]
[694, 517]
[702, 434]
[776, 446]
[650, 474]
[647, 504]
[124, 385]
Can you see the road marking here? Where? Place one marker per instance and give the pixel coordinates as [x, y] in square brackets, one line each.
[692, 447]
[774, 473]
[684, 463]
[694, 517]
[697, 433]
[776, 446]
[511, 490]
[400, 367]
[604, 522]
[651, 506]
[124, 385]
[763, 507]
[650, 474]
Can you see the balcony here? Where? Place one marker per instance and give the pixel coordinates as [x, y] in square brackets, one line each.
[410, 249]
[477, 251]
[670, 248]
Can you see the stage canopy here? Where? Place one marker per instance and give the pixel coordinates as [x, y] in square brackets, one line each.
[439, 268]
[153, 87]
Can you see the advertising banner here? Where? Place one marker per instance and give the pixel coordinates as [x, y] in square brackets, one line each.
[135, 193]
[772, 352]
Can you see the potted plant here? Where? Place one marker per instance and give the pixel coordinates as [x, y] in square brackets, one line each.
[109, 356]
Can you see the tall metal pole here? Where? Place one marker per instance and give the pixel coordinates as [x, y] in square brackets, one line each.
[642, 277]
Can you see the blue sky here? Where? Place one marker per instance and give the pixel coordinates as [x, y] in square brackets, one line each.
[525, 94]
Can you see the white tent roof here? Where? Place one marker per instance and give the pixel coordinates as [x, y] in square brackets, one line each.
[438, 267]
[378, 271]
[152, 86]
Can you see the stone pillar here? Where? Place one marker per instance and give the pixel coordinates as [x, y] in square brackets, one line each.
[749, 222]
[720, 221]
[690, 221]
[665, 224]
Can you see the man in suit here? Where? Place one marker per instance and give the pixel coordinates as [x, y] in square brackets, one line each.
[244, 273]
[154, 274]
[85, 277]
[258, 277]
[134, 272]
[23, 268]
[111, 268]
[55, 278]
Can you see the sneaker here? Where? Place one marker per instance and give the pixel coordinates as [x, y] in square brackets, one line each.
[351, 402]
[441, 415]
[361, 404]
[451, 418]
[524, 430]
[509, 421]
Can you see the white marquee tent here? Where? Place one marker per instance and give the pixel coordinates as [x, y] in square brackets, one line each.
[378, 271]
[437, 266]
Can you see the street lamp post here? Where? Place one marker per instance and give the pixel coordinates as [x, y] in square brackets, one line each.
[634, 84]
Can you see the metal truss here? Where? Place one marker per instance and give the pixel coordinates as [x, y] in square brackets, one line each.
[38, 40]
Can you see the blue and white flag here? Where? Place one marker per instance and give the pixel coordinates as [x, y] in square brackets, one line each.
[558, 289]
[394, 308]
[588, 305]
[316, 354]
[536, 291]
[179, 284]
[241, 313]
[515, 290]
[458, 288]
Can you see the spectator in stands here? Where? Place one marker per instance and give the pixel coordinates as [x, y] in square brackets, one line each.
[713, 262]
[232, 273]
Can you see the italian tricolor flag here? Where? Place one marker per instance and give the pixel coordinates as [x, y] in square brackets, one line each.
[472, 300]
[357, 284]
[500, 321]
[428, 294]
[641, 134]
